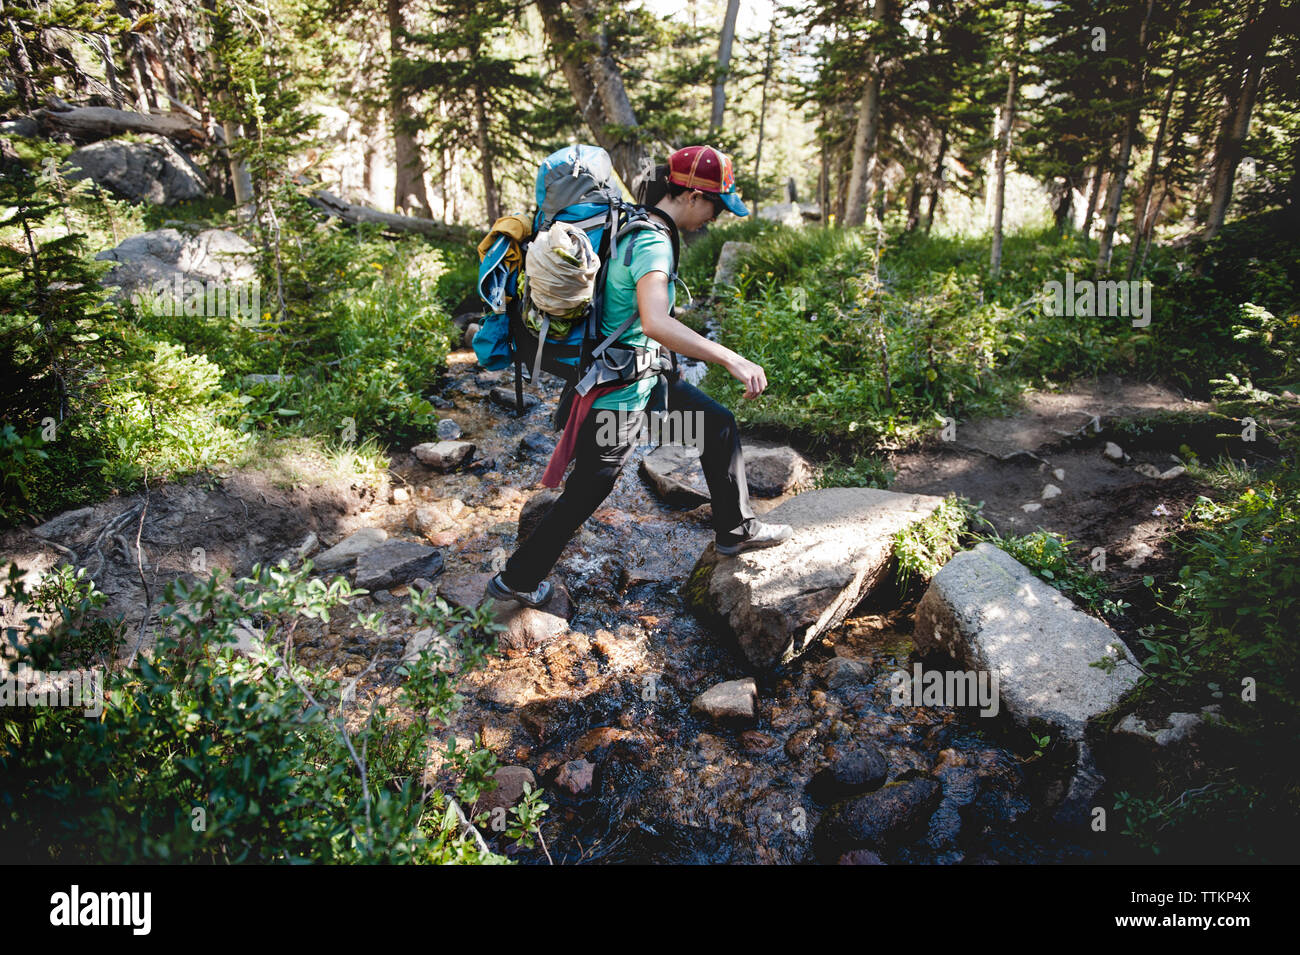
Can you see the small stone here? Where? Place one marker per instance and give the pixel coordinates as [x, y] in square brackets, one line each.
[1031, 507]
[843, 671]
[448, 430]
[1148, 470]
[399, 495]
[505, 397]
[310, 544]
[443, 455]
[535, 444]
[1051, 491]
[754, 742]
[1114, 451]
[1172, 473]
[732, 701]
[851, 772]
[1059, 474]
[575, 777]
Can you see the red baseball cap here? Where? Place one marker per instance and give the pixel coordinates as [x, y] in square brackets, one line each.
[708, 170]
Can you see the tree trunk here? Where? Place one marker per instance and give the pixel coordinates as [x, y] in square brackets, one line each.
[597, 86]
[724, 61]
[408, 193]
[486, 157]
[1094, 191]
[88, 123]
[20, 64]
[330, 204]
[936, 179]
[1236, 121]
[1142, 219]
[864, 136]
[1004, 147]
[762, 108]
[1137, 87]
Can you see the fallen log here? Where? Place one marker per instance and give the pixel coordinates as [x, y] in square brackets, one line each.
[327, 202]
[100, 122]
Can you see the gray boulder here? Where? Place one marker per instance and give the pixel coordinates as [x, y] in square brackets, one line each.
[778, 600]
[991, 613]
[729, 262]
[150, 170]
[163, 261]
[395, 562]
[890, 816]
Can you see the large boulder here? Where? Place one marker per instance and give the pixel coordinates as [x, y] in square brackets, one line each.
[150, 169]
[778, 600]
[888, 817]
[990, 612]
[729, 262]
[343, 554]
[164, 262]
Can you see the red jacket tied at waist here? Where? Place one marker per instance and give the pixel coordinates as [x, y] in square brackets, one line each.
[563, 452]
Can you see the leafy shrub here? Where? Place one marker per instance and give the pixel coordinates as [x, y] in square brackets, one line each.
[924, 547]
[204, 755]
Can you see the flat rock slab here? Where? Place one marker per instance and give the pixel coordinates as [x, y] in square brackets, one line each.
[342, 554]
[778, 600]
[676, 475]
[990, 612]
[395, 562]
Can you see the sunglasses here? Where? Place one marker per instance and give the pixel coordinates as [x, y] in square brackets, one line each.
[716, 202]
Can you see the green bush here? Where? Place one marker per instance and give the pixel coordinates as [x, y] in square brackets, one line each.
[204, 755]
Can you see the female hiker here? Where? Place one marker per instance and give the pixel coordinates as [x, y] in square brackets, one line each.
[691, 191]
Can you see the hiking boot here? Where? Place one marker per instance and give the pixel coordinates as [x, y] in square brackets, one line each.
[497, 589]
[764, 535]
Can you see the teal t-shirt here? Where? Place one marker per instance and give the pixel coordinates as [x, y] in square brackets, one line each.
[653, 253]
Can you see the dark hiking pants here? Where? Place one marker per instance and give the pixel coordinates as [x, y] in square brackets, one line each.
[599, 456]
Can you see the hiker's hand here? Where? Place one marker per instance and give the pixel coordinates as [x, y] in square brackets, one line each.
[748, 374]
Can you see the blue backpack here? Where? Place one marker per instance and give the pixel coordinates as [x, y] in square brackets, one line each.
[574, 185]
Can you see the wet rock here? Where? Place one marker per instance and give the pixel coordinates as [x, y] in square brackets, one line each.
[509, 790]
[890, 816]
[342, 554]
[443, 455]
[151, 169]
[839, 672]
[1086, 781]
[754, 742]
[448, 429]
[674, 473]
[395, 562]
[852, 771]
[989, 612]
[729, 261]
[776, 601]
[730, 702]
[797, 745]
[505, 397]
[575, 777]
[860, 857]
[533, 511]
[535, 444]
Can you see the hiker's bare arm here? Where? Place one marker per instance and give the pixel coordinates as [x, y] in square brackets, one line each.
[652, 306]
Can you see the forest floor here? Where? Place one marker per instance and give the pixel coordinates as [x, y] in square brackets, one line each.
[667, 786]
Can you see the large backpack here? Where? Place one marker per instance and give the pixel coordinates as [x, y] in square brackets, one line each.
[574, 185]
